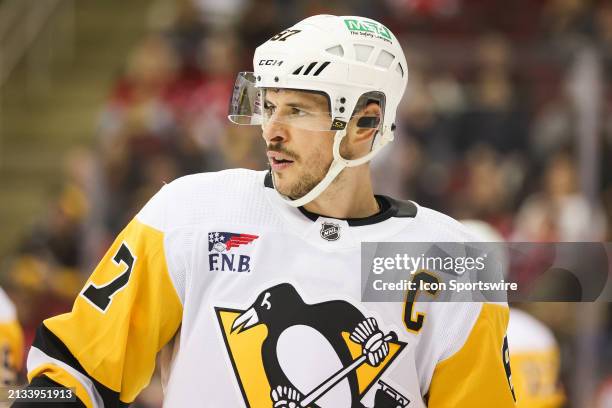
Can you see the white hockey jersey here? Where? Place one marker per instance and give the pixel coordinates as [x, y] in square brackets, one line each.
[261, 305]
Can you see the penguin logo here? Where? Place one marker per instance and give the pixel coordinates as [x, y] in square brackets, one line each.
[330, 231]
[289, 354]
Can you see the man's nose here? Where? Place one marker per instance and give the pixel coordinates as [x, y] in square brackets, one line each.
[275, 132]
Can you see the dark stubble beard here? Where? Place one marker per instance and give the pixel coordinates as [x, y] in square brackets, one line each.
[306, 180]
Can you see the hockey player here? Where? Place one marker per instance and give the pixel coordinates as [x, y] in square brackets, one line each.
[11, 342]
[252, 279]
[534, 351]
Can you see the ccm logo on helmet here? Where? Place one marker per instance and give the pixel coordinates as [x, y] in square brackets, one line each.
[276, 63]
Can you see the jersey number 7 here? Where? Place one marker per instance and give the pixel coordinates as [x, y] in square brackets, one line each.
[101, 296]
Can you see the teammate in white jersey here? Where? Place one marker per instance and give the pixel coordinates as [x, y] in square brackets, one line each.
[250, 281]
[11, 341]
[535, 358]
[536, 362]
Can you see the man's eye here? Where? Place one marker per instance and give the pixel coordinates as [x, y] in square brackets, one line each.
[298, 112]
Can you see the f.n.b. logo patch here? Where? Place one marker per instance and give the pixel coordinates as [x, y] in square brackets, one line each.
[222, 255]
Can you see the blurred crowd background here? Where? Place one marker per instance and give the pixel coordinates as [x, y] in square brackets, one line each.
[507, 119]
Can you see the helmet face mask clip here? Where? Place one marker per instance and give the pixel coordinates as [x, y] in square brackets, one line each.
[352, 61]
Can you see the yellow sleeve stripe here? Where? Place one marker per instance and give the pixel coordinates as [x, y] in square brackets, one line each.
[12, 335]
[60, 376]
[118, 346]
[475, 376]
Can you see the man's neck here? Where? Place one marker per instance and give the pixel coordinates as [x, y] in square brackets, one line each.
[351, 197]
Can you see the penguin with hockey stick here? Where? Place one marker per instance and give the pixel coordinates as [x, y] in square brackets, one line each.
[282, 310]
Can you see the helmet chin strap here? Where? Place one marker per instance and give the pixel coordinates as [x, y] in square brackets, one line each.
[337, 166]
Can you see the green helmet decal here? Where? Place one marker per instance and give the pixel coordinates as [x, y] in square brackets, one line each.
[368, 28]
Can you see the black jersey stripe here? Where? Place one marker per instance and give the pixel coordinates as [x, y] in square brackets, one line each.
[46, 341]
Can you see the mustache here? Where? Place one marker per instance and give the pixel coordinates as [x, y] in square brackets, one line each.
[278, 148]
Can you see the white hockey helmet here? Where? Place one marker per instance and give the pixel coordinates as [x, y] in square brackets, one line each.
[344, 57]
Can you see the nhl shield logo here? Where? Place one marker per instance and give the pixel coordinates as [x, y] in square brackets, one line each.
[330, 231]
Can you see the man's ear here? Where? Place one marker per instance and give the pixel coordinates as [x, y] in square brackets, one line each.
[370, 118]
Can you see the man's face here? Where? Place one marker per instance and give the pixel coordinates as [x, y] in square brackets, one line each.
[299, 156]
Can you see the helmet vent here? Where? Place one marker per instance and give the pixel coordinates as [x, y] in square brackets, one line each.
[399, 69]
[384, 60]
[362, 52]
[336, 50]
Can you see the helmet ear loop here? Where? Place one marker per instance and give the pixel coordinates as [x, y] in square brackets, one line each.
[340, 134]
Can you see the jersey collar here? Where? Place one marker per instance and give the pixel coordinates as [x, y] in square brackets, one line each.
[393, 217]
[389, 208]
